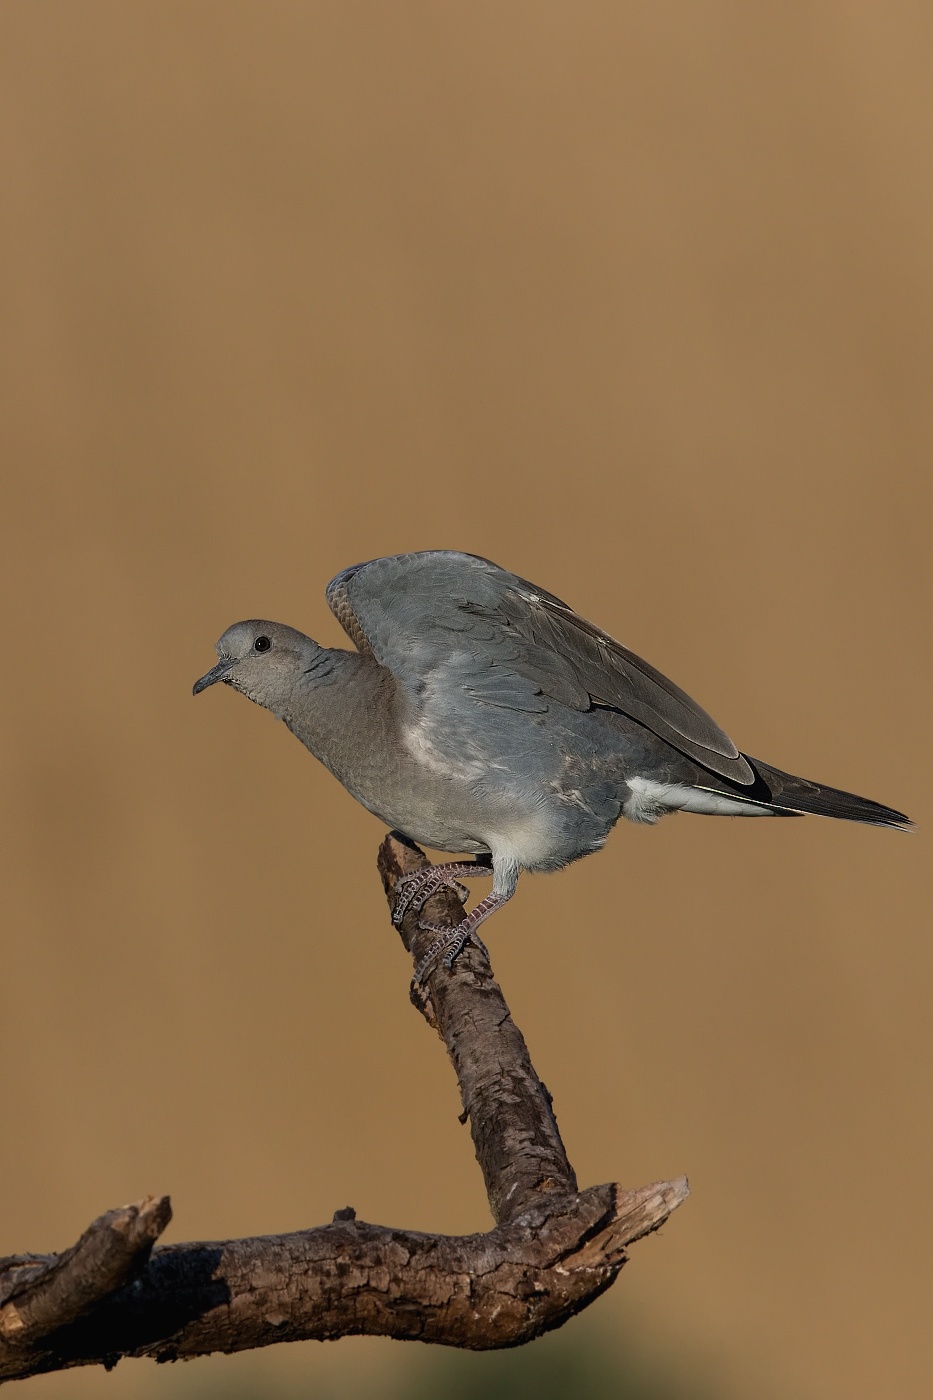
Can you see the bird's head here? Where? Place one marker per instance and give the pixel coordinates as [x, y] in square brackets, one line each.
[263, 660]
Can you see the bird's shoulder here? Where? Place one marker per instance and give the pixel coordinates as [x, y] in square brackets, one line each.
[431, 619]
[385, 604]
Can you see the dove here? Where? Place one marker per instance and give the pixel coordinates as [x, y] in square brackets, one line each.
[481, 716]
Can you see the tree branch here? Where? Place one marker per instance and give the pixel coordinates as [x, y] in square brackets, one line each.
[514, 1130]
[552, 1251]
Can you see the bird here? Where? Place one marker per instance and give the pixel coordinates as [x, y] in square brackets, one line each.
[482, 716]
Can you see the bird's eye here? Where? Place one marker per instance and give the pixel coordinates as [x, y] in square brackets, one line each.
[261, 644]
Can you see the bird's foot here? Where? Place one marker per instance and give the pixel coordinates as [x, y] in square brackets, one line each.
[446, 948]
[450, 942]
[413, 891]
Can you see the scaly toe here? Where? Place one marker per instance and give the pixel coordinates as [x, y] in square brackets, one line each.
[453, 953]
[421, 897]
[405, 893]
[439, 929]
[438, 948]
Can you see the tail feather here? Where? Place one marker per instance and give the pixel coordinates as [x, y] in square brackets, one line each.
[787, 793]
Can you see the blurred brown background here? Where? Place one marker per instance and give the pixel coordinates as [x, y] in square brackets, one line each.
[636, 300]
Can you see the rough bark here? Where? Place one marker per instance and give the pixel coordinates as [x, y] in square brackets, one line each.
[552, 1251]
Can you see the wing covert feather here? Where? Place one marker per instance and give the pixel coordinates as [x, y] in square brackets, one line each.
[459, 618]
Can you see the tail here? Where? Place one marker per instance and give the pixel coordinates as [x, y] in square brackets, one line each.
[785, 793]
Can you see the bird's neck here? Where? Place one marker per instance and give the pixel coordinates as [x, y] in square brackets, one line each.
[339, 698]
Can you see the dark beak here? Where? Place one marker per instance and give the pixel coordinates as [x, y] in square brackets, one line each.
[216, 673]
